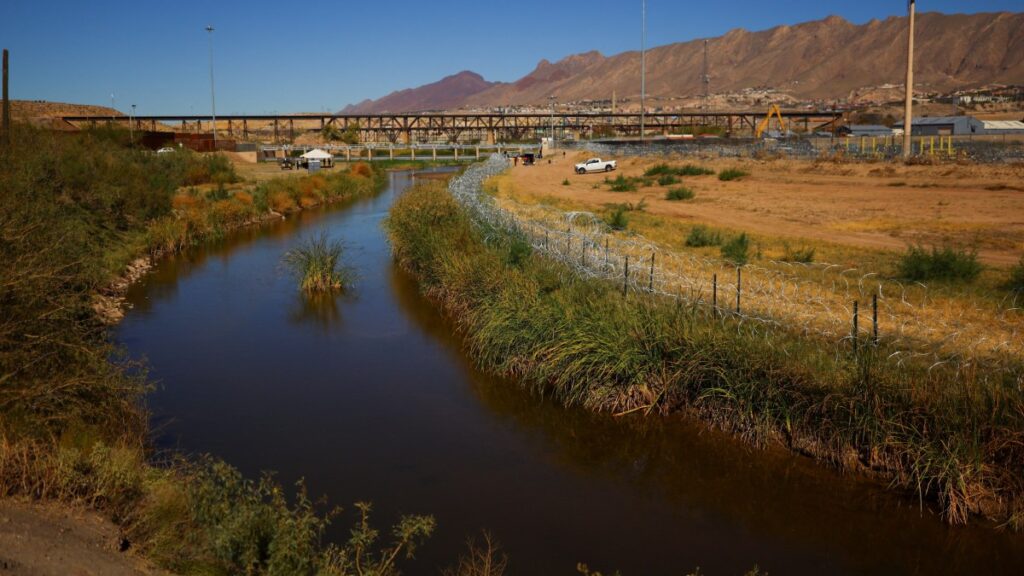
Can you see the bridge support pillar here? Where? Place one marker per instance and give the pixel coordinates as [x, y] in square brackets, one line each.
[412, 150]
[434, 150]
[407, 137]
[477, 152]
[492, 137]
[391, 152]
[348, 153]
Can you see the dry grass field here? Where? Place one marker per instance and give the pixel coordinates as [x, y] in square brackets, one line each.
[837, 207]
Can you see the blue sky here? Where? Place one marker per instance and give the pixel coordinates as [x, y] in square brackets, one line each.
[282, 57]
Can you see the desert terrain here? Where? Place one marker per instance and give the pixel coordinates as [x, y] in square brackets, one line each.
[836, 206]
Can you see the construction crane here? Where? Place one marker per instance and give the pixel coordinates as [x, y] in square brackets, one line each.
[762, 126]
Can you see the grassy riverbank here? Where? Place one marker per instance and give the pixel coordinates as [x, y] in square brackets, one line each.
[957, 437]
[75, 210]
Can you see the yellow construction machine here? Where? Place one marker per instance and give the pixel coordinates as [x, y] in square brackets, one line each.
[762, 126]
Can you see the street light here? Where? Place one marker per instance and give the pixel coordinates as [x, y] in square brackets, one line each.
[908, 109]
[213, 97]
[643, 67]
[552, 100]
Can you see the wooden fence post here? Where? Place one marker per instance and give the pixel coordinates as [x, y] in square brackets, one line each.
[874, 318]
[650, 285]
[714, 295]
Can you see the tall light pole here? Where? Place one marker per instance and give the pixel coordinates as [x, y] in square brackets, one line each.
[213, 94]
[643, 67]
[908, 110]
[552, 100]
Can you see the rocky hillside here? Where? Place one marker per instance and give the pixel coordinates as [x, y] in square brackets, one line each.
[822, 59]
[449, 92]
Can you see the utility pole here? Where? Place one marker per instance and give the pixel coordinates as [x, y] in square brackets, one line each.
[643, 67]
[131, 125]
[908, 111]
[5, 136]
[213, 96]
[551, 99]
[706, 79]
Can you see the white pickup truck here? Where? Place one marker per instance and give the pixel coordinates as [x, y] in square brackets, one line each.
[595, 165]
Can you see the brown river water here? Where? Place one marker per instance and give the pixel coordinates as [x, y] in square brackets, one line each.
[369, 396]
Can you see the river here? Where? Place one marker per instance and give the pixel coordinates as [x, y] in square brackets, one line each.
[369, 396]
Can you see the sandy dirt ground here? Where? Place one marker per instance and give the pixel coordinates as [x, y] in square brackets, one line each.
[884, 206]
[51, 539]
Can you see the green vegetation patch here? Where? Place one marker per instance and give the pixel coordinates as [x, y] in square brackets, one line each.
[679, 193]
[732, 174]
[947, 263]
[701, 236]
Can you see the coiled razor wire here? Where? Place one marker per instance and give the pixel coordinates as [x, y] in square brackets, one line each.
[809, 299]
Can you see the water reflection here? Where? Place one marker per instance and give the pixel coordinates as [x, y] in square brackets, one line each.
[369, 396]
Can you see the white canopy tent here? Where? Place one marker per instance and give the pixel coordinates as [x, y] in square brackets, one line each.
[325, 158]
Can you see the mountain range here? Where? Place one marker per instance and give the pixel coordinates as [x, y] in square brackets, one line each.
[822, 59]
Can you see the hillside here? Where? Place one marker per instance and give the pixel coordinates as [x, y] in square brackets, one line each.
[449, 92]
[823, 59]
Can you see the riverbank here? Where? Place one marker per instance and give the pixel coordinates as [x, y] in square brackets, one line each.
[78, 210]
[947, 435]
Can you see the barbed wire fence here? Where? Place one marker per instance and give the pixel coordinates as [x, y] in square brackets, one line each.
[847, 306]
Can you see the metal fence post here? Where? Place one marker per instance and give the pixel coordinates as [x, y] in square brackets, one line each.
[874, 318]
[739, 287]
[714, 295]
[625, 276]
[856, 314]
[650, 286]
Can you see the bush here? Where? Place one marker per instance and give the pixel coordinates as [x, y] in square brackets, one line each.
[691, 170]
[565, 182]
[687, 170]
[801, 255]
[617, 219]
[701, 236]
[736, 250]
[1016, 281]
[622, 184]
[946, 263]
[732, 174]
[679, 193]
[667, 180]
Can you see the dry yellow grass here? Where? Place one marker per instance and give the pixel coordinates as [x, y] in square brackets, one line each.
[798, 204]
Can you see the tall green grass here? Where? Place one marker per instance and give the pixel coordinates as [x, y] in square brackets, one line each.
[686, 170]
[317, 263]
[951, 435]
[679, 193]
[74, 211]
[701, 236]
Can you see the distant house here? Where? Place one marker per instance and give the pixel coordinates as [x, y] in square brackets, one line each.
[998, 127]
[866, 130]
[945, 126]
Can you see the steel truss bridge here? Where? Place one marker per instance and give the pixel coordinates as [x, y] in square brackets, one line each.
[489, 127]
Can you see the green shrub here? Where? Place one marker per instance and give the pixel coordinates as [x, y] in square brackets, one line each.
[946, 263]
[736, 250]
[667, 180]
[1016, 281]
[519, 251]
[732, 174]
[617, 218]
[801, 255]
[687, 170]
[565, 182]
[660, 170]
[622, 184]
[692, 170]
[679, 193]
[701, 236]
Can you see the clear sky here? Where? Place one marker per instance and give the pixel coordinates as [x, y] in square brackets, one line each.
[318, 56]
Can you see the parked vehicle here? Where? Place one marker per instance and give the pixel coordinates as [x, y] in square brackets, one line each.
[595, 165]
[165, 150]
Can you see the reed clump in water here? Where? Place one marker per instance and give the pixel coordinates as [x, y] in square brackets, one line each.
[317, 263]
[953, 435]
